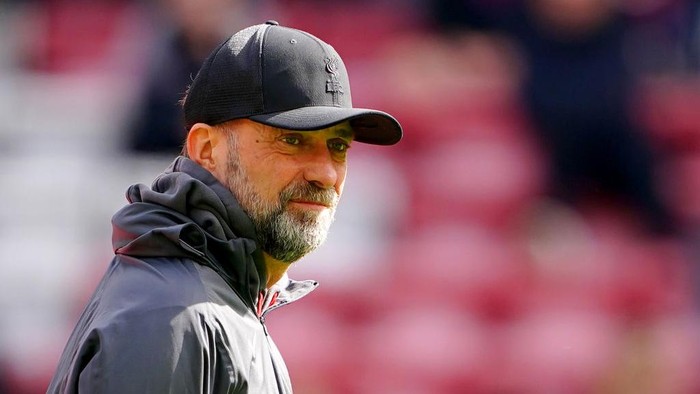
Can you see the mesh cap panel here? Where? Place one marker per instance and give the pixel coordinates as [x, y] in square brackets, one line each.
[285, 78]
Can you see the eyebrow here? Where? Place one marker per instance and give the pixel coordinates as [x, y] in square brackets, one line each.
[345, 133]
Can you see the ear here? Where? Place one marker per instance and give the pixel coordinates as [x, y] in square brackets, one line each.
[203, 144]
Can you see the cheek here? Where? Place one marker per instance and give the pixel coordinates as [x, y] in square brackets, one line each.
[270, 177]
[340, 185]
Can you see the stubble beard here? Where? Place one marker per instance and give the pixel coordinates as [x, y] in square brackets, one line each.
[285, 234]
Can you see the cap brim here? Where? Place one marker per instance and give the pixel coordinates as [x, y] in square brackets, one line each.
[370, 126]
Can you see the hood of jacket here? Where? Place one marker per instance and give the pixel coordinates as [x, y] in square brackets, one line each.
[187, 213]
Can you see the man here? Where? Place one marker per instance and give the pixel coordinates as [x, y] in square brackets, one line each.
[201, 257]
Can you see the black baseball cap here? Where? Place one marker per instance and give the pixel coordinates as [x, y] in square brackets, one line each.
[285, 78]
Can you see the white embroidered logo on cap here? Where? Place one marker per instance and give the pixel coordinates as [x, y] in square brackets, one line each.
[333, 85]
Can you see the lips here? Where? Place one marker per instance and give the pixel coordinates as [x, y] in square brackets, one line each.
[311, 202]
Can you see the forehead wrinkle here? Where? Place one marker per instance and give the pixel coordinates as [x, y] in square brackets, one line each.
[266, 131]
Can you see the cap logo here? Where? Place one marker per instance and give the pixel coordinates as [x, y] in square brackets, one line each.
[333, 85]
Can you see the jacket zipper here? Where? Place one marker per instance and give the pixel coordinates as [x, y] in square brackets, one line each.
[262, 322]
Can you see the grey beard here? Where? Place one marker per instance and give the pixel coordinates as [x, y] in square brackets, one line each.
[288, 236]
[285, 235]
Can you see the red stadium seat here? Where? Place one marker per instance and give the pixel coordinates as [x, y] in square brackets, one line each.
[556, 351]
[681, 180]
[349, 27]
[485, 181]
[318, 349]
[470, 268]
[77, 36]
[596, 262]
[668, 108]
[429, 347]
[675, 353]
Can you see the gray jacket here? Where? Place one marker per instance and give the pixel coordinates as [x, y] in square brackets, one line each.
[182, 305]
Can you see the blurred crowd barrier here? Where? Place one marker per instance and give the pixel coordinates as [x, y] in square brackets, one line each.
[536, 231]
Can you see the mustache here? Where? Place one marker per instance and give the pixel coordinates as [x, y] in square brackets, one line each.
[311, 193]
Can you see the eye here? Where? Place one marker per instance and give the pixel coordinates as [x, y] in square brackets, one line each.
[291, 139]
[339, 146]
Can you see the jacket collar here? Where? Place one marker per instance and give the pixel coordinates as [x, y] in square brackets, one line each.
[284, 292]
[188, 213]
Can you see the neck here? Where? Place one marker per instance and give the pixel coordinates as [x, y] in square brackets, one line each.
[275, 269]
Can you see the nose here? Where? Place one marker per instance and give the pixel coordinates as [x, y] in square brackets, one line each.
[321, 170]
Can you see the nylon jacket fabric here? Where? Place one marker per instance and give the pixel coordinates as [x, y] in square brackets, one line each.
[182, 304]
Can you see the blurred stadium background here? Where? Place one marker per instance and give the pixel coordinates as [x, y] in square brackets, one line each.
[473, 257]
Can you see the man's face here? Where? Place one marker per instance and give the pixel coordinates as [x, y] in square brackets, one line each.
[288, 182]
